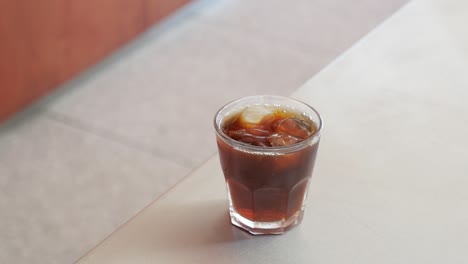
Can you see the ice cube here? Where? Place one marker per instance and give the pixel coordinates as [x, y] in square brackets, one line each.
[252, 115]
[253, 140]
[236, 134]
[257, 131]
[281, 139]
[294, 127]
[244, 136]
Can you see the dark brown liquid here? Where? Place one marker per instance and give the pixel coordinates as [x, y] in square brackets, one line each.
[267, 188]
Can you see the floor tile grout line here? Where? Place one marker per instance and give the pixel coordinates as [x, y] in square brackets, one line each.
[259, 36]
[104, 134]
[148, 205]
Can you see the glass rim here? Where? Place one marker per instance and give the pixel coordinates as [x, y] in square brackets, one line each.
[282, 149]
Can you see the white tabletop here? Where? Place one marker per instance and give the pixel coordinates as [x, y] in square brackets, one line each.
[391, 178]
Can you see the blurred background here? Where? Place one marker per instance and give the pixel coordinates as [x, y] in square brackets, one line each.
[106, 104]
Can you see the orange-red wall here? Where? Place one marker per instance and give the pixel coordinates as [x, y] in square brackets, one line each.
[44, 43]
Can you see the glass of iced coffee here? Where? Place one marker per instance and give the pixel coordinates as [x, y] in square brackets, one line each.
[267, 148]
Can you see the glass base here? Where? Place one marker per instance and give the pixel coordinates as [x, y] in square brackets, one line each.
[265, 228]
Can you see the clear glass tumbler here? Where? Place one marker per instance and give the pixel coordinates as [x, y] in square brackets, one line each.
[267, 186]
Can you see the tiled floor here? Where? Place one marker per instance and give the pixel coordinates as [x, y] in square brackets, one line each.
[81, 162]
